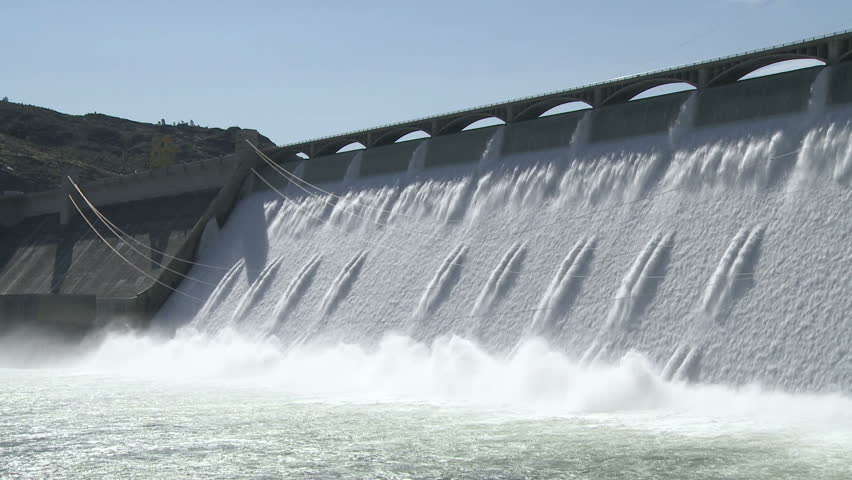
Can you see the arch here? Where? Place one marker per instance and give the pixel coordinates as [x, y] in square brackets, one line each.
[742, 69]
[566, 108]
[484, 122]
[334, 145]
[282, 155]
[396, 134]
[538, 109]
[351, 146]
[781, 67]
[631, 90]
[460, 123]
[663, 90]
[415, 135]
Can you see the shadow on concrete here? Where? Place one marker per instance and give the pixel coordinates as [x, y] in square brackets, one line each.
[158, 239]
[254, 240]
[62, 259]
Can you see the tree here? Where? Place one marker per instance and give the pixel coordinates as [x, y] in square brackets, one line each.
[5, 99]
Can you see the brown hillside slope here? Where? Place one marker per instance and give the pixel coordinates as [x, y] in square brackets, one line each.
[38, 146]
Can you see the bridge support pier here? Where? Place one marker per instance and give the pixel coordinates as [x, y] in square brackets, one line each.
[835, 51]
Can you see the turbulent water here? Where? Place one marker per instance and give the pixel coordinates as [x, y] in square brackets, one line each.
[674, 306]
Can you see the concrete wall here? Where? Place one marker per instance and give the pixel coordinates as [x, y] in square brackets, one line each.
[638, 117]
[462, 147]
[147, 303]
[840, 84]
[277, 180]
[41, 256]
[169, 181]
[389, 159]
[12, 208]
[780, 94]
[69, 315]
[544, 133]
[330, 168]
[173, 180]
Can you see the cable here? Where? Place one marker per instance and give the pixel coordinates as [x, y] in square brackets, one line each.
[301, 180]
[146, 257]
[281, 171]
[134, 240]
[125, 259]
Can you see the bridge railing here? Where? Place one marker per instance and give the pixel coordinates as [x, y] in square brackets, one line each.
[575, 89]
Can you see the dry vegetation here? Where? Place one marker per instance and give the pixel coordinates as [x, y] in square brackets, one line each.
[38, 146]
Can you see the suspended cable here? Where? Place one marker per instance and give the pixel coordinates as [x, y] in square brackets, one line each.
[125, 258]
[134, 240]
[139, 252]
[282, 171]
[295, 178]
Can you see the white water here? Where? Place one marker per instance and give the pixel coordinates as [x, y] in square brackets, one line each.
[732, 242]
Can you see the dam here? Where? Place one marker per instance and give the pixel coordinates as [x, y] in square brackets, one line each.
[653, 255]
[677, 226]
[714, 186]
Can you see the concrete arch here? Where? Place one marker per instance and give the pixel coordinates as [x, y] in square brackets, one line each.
[392, 136]
[537, 109]
[461, 122]
[666, 89]
[782, 67]
[485, 122]
[281, 155]
[636, 88]
[415, 135]
[334, 146]
[353, 145]
[742, 69]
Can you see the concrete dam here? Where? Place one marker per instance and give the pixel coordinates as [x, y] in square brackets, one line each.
[705, 232]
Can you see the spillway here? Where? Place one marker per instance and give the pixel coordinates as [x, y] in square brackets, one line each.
[719, 250]
[659, 289]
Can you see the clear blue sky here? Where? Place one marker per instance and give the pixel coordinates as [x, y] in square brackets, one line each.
[295, 71]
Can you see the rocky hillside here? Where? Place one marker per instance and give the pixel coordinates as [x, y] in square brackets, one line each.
[39, 146]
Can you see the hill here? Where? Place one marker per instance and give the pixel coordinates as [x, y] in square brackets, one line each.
[38, 146]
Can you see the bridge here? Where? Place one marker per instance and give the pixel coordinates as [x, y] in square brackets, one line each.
[831, 49]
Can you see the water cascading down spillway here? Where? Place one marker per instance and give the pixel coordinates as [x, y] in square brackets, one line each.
[714, 251]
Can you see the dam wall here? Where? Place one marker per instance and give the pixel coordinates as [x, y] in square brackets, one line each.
[67, 315]
[48, 250]
[545, 133]
[390, 159]
[781, 94]
[157, 183]
[647, 116]
[714, 250]
[841, 78]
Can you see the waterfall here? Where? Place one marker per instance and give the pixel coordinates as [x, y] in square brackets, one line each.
[354, 168]
[720, 254]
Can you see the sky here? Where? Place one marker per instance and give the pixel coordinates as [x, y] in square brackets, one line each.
[301, 70]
